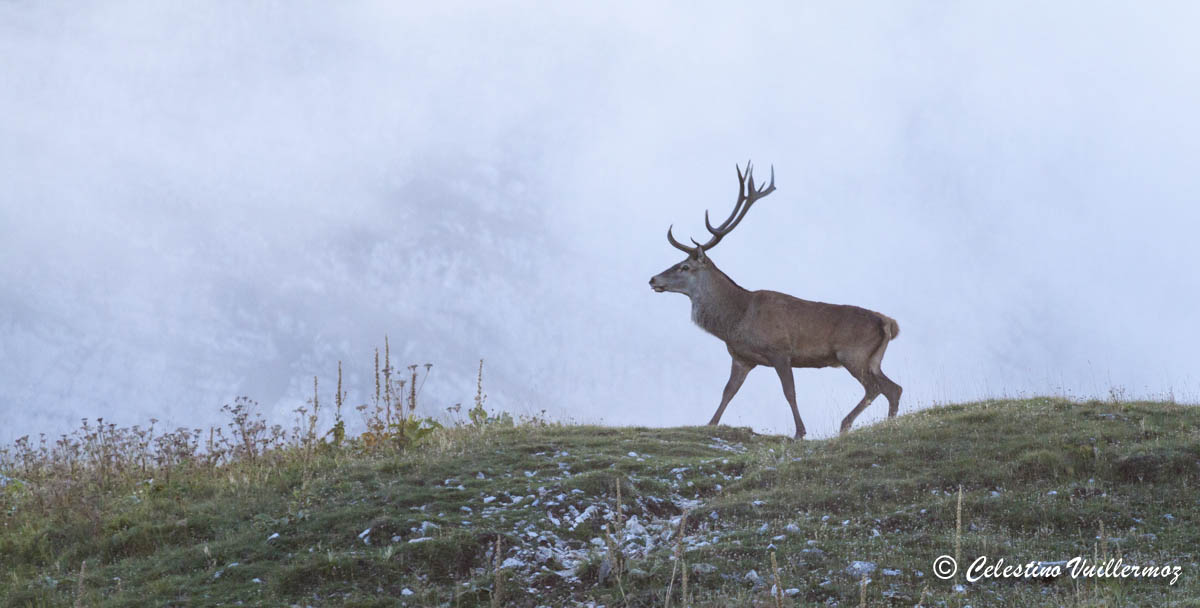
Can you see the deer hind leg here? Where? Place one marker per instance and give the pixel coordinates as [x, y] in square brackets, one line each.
[784, 370]
[867, 379]
[890, 389]
[737, 375]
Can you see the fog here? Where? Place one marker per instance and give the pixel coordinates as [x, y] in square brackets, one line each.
[205, 200]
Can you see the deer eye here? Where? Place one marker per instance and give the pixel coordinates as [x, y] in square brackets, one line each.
[685, 267]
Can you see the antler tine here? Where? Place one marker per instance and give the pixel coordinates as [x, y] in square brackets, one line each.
[737, 208]
[725, 224]
[677, 244]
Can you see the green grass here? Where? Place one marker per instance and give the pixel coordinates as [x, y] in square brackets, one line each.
[1041, 479]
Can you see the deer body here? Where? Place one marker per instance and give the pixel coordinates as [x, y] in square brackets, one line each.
[777, 330]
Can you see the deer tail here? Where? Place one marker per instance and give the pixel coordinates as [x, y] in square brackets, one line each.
[891, 328]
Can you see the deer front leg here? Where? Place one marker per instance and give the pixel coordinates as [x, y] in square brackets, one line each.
[784, 369]
[737, 375]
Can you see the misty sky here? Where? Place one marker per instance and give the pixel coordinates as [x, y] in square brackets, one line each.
[202, 200]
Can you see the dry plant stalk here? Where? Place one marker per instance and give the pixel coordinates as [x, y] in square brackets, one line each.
[79, 585]
[778, 584]
[615, 559]
[678, 559]
[958, 531]
[498, 580]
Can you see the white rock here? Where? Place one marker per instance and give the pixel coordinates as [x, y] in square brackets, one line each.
[273, 536]
[634, 527]
[406, 591]
[586, 515]
[858, 569]
[512, 562]
[365, 535]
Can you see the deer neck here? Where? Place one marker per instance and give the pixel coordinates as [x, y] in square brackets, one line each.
[719, 304]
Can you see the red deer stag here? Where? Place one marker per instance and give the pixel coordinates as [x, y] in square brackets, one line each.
[775, 329]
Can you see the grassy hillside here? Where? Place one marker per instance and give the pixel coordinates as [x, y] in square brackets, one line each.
[856, 520]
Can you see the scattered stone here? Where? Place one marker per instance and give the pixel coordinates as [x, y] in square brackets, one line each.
[859, 569]
[273, 537]
[406, 590]
[365, 535]
[702, 568]
[890, 572]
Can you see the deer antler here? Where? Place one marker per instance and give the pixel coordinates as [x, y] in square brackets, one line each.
[747, 195]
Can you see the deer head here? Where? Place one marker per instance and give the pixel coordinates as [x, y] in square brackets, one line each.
[693, 275]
